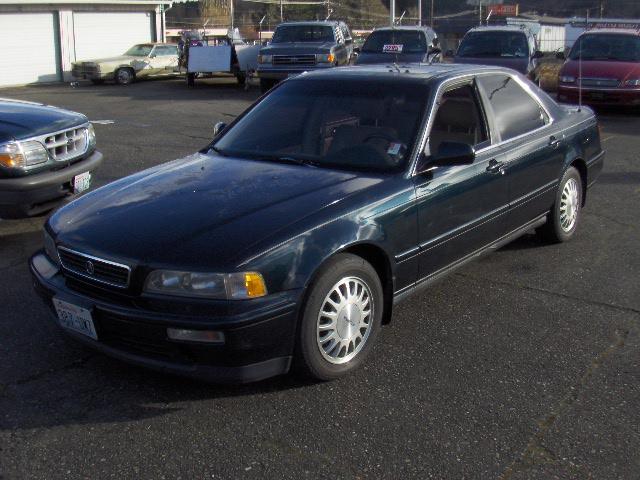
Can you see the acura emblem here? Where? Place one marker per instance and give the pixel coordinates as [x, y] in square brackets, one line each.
[70, 142]
[89, 267]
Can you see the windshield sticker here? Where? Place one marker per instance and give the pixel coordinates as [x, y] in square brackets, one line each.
[394, 148]
[392, 48]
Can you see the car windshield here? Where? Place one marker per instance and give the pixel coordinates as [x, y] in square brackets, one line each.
[303, 33]
[139, 50]
[494, 44]
[612, 47]
[396, 41]
[349, 124]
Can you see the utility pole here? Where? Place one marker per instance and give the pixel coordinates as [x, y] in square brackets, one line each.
[231, 14]
[392, 12]
[420, 12]
[281, 16]
[480, 12]
[431, 14]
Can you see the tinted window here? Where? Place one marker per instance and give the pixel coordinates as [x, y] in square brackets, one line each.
[494, 44]
[515, 111]
[458, 119]
[303, 33]
[614, 47]
[407, 41]
[349, 124]
[165, 51]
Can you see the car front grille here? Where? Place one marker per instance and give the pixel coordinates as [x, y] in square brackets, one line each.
[94, 269]
[600, 82]
[294, 59]
[80, 69]
[68, 144]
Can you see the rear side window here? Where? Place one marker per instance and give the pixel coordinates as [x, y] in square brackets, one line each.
[515, 111]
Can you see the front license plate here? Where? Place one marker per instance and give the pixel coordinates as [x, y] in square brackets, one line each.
[75, 318]
[81, 182]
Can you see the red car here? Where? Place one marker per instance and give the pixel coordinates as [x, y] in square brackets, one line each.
[610, 71]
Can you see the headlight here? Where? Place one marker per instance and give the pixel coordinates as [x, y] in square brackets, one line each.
[325, 58]
[567, 79]
[50, 248]
[635, 82]
[91, 136]
[231, 286]
[22, 154]
[265, 58]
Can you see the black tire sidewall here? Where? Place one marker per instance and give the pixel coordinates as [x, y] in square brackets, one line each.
[117, 75]
[308, 353]
[559, 232]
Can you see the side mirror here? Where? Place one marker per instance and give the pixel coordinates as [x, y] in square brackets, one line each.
[561, 56]
[218, 127]
[454, 153]
[538, 54]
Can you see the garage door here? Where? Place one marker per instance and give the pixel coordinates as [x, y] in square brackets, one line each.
[28, 48]
[107, 34]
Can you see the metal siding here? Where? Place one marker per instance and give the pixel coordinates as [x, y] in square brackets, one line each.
[107, 34]
[29, 45]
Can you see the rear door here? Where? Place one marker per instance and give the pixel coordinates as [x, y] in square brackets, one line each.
[460, 208]
[164, 59]
[531, 147]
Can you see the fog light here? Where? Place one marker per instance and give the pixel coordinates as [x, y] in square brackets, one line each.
[202, 336]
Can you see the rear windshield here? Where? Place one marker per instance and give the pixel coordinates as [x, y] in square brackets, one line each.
[303, 33]
[612, 47]
[398, 41]
[494, 44]
[367, 125]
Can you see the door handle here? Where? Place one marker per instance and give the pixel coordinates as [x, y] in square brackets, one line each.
[553, 141]
[495, 166]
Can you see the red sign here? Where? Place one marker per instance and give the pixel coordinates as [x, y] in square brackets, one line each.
[502, 10]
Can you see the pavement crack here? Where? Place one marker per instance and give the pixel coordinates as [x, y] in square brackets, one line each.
[535, 453]
[613, 306]
[37, 376]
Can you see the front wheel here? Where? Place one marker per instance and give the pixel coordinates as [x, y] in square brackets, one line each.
[124, 76]
[564, 217]
[341, 318]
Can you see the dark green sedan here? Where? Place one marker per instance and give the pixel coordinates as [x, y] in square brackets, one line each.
[290, 237]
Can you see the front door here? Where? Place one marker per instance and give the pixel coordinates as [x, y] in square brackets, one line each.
[460, 208]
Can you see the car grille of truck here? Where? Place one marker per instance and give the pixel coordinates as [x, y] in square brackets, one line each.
[294, 59]
[68, 144]
[600, 82]
[94, 269]
[80, 70]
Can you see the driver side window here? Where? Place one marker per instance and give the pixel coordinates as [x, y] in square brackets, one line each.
[458, 119]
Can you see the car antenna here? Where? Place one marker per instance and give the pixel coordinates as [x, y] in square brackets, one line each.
[586, 27]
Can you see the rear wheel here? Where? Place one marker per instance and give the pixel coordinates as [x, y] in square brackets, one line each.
[564, 217]
[242, 79]
[124, 76]
[341, 318]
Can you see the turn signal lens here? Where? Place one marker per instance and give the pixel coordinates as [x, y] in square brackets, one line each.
[201, 336]
[325, 58]
[11, 156]
[232, 286]
[22, 154]
[254, 284]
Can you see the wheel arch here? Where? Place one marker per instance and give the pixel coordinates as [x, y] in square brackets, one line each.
[580, 165]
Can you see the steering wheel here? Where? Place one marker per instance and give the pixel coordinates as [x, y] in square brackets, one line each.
[381, 135]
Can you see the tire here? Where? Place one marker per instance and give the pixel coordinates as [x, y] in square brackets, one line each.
[564, 217]
[124, 76]
[331, 346]
[266, 84]
[97, 81]
[191, 79]
[242, 79]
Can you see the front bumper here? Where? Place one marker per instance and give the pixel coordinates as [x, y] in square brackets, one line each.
[280, 72]
[258, 341]
[602, 96]
[90, 73]
[40, 192]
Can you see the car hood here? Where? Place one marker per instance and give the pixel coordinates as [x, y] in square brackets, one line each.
[299, 48]
[201, 212]
[366, 58]
[602, 69]
[519, 64]
[117, 59]
[20, 119]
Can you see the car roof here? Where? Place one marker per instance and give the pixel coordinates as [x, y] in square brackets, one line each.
[501, 28]
[311, 22]
[404, 27]
[416, 72]
[619, 31]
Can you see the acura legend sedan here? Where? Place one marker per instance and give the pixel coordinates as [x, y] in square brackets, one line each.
[288, 240]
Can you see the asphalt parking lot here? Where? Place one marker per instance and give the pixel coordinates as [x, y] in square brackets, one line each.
[523, 365]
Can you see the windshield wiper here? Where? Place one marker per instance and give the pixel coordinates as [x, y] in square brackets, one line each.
[290, 160]
[218, 151]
